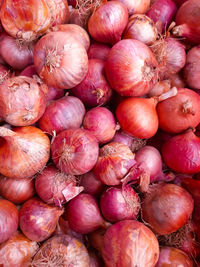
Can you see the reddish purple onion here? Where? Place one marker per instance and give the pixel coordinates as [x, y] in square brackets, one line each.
[91, 184]
[98, 51]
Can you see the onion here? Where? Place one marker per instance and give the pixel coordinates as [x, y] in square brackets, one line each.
[17, 251]
[166, 208]
[98, 51]
[119, 204]
[158, 139]
[96, 239]
[130, 243]
[162, 13]
[136, 6]
[94, 90]
[62, 250]
[187, 21]
[4, 73]
[59, 11]
[83, 214]
[192, 68]
[22, 101]
[55, 187]
[64, 113]
[29, 71]
[176, 80]
[108, 22]
[75, 17]
[23, 151]
[38, 220]
[60, 60]
[75, 151]
[160, 88]
[131, 68]
[114, 162]
[91, 184]
[179, 2]
[16, 190]
[25, 21]
[170, 256]
[123, 138]
[181, 153]
[141, 28]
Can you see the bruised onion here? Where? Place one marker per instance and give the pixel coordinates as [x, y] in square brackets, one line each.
[92, 185]
[136, 6]
[59, 11]
[23, 151]
[38, 220]
[98, 51]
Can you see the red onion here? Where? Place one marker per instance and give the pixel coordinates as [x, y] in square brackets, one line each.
[108, 22]
[123, 138]
[59, 11]
[141, 28]
[114, 162]
[60, 60]
[4, 73]
[91, 184]
[65, 113]
[136, 6]
[98, 51]
[131, 68]
[55, 187]
[94, 90]
[23, 151]
[187, 21]
[160, 88]
[130, 243]
[162, 215]
[162, 13]
[96, 239]
[75, 151]
[192, 68]
[158, 139]
[181, 153]
[83, 214]
[179, 2]
[177, 81]
[16, 190]
[77, 18]
[29, 71]
[38, 220]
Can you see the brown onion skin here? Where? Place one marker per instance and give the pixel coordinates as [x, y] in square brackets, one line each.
[129, 243]
[108, 22]
[170, 256]
[166, 208]
[98, 51]
[65, 113]
[16, 190]
[60, 60]
[22, 101]
[138, 117]
[9, 218]
[91, 184]
[38, 220]
[115, 160]
[25, 20]
[62, 250]
[59, 11]
[17, 251]
[131, 68]
[136, 6]
[75, 151]
[23, 151]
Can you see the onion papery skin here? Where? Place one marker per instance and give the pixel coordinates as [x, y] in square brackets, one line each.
[131, 68]
[98, 51]
[138, 117]
[65, 113]
[108, 22]
[60, 60]
[136, 6]
[75, 151]
[62, 250]
[177, 80]
[91, 184]
[94, 90]
[170, 256]
[23, 151]
[166, 208]
[181, 153]
[4, 73]
[17, 251]
[22, 101]
[129, 243]
[38, 220]
[83, 214]
[16, 190]
[9, 218]
[114, 162]
[141, 28]
[59, 11]
[25, 20]
[184, 108]
[192, 68]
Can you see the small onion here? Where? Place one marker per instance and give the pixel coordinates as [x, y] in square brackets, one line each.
[98, 51]
[91, 184]
[59, 11]
[136, 6]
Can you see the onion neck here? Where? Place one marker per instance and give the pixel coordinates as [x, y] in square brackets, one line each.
[187, 108]
[184, 30]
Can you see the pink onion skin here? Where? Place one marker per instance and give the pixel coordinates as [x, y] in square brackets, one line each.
[75, 151]
[38, 220]
[4, 73]
[123, 138]
[108, 22]
[136, 6]
[192, 68]
[59, 11]
[181, 152]
[131, 73]
[170, 256]
[83, 214]
[65, 113]
[98, 51]
[94, 90]
[129, 243]
[91, 184]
